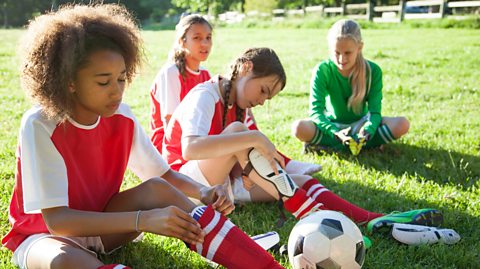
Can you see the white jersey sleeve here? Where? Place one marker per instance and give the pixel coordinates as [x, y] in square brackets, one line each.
[44, 173]
[145, 161]
[197, 110]
[168, 89]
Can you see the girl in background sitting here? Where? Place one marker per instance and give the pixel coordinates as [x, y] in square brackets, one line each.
[192, 46]
[346, 98]
[75, 146]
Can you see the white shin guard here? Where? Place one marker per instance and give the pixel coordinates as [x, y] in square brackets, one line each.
[282, 182]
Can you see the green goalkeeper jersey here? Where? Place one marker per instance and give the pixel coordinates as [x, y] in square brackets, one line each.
[329, 96]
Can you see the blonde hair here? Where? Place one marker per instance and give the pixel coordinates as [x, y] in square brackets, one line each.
[350, 29]
[58, 44]
[178, 53]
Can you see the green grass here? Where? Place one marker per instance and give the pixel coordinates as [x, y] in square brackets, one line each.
[431, 76]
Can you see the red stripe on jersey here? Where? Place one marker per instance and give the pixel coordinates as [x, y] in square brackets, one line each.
[173, 136]
[95, 160]
[186, 84]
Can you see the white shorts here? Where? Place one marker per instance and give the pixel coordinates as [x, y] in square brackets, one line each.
[92, 245]
[236, 188]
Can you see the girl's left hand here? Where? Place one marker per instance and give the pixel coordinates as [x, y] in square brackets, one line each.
[218, 197]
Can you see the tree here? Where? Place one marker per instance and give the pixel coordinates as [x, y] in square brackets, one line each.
[263, 6]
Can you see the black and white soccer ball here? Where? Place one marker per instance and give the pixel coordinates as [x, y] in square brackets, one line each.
[326, 239]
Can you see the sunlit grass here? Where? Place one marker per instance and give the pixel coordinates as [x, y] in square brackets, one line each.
[430, 76]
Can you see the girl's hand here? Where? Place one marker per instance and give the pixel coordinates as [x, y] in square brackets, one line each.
[362, 134]
[172, 221]
[268, 150]
[218, 197]
[343, 136]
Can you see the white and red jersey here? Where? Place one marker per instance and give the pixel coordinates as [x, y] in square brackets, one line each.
[199, 114]
[167, 91]
[73, 165]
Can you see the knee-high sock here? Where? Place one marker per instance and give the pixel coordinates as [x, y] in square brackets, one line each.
[227, 245]
[331, 201]
[383, 135]
[252, 126]
[301, 205]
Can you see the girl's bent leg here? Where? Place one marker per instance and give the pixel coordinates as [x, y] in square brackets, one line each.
[389, 130]
[398, 125]
[304, 130]
[153, 193]
[59, 253]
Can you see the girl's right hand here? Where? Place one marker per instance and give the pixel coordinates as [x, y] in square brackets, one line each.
[172, 221]
[268, 150]
[343, 136]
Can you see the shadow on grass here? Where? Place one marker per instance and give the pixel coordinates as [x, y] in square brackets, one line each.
[438, 165]
[151, 253]
[388, 253]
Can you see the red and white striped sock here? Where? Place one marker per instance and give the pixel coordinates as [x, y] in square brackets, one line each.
[333, 202]
[114, 266]
[301, 205]
[227, 245]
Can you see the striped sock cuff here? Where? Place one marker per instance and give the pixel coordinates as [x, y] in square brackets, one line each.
[300, 204]
[313, 188]
[216, 228]
[317, 137]
[385, 133]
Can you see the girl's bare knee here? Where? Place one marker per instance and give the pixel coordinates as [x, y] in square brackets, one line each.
[73, 257]
[403, 125]
[296, 128]
[235, 127]
[156, 183]
[302, 129]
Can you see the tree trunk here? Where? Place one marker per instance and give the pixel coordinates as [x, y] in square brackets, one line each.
[5, 15]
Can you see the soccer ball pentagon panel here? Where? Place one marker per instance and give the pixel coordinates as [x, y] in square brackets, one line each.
[326, 239]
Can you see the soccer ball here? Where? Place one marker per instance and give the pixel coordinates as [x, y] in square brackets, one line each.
[326, 239]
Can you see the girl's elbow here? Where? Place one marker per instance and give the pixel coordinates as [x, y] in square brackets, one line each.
[187, 154]
[54, 221]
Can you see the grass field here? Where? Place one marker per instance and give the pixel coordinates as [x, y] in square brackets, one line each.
[431, 76]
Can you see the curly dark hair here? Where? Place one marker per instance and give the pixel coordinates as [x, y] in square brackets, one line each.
[57, 45]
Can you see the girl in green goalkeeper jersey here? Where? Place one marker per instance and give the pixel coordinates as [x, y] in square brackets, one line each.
[346, 98]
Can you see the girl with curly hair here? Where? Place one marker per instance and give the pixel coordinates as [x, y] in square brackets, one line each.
[76, 144]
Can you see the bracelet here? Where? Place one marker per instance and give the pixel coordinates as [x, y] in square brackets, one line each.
[136, 221]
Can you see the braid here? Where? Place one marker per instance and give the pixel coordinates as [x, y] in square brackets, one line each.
[240, 113]
[228, 87]
[180, 62]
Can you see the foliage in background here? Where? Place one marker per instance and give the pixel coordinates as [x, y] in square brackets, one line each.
[164, 14]
[316, 22]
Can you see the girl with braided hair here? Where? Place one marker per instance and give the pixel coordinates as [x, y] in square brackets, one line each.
[192, 46]
[74, 148]
[206, 138]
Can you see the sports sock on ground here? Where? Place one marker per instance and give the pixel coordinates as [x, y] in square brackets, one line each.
[332, 201]
[227, 245]
[301, 168]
